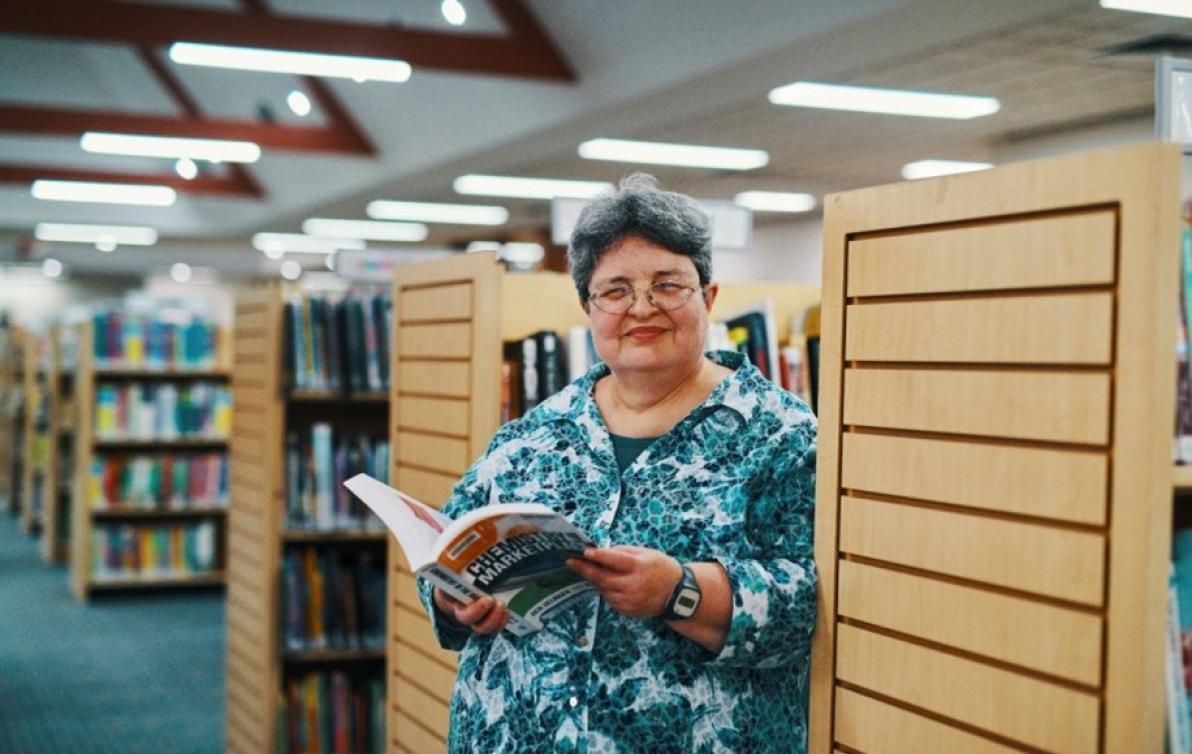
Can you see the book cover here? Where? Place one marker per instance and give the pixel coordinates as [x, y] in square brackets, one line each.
[516, 552]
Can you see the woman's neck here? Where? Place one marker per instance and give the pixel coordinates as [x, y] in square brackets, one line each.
[649, 404]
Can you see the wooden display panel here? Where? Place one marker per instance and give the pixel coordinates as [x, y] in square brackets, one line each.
[32, 468]
[994, 489]
[254, 552]
[54, 546]
[453, 317]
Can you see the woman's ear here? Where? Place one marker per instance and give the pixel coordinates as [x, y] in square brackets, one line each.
[710, 291]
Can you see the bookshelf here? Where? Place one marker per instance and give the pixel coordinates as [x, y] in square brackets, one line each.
[8, 427]
[175, 529]
[994, 474]
[35, 467]
[55, 534]
[451, 319]
[259, 664]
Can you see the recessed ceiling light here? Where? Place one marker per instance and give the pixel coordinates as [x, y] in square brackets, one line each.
[885, 101]
[299, 103]
[283, 61]
[290, 270]
[104, 193]
[932, 168]
[528, 188]
[51, 268]
[131, 235]
[212, 150]
[454, 11]
[1178, 8]
[276, 244]
[180, 272]
[374, 230]
[661, 153]
[426, 212]
[775, 201]
[521, 252]
[186, 168]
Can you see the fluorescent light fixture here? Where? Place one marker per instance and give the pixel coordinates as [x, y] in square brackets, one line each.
[130, 235]
[775, 201]
[104, 193]
[521, 252]
[1178, 8]
[528, 188]
[299, 103]
[186, 169]
[454, 11]
[284, 61]
[180, 272]
[661, 153]
[885, 101]
[276, 244]
[426, 212]
[374, 230]
[476, 247]
[51, 268]
[932, 168]
[290, 270]
[212, 150]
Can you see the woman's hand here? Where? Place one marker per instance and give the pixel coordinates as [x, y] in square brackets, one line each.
[635, 581]
[484, 616]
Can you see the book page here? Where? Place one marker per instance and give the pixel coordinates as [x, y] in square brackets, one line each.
[415, 524]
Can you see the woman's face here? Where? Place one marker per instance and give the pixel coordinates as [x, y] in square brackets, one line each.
[646, 338]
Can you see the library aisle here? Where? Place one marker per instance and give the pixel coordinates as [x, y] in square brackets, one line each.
[125, 675]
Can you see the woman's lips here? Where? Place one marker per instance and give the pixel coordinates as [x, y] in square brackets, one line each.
[645, 333]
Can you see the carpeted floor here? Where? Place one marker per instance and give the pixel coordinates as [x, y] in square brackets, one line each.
[121, 675]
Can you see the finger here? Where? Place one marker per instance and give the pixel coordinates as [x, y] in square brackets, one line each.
[594, 574]
[471, 613]
[494, 621]
[612, 558]
[447, 601]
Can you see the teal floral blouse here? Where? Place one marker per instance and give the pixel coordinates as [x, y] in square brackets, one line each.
[733, 482]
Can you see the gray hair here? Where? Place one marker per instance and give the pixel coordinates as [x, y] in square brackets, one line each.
[639, 208]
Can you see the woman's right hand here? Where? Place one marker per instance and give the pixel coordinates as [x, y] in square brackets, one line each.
[484, 616]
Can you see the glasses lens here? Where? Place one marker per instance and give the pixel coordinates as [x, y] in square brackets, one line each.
[669, 295]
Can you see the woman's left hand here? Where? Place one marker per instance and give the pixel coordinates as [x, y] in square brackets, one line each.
[635, 581]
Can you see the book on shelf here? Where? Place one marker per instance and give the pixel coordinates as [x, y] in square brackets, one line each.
[158, 481]
[317, 463]
[333, 598]
[338, 343]
[540, 365]
[162, 411]
[331, 713]
[516, 552]
[1179, 725]
[154, 338]
[126, 550]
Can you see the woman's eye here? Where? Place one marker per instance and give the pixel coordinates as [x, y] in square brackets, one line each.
[667, 287]
[613, 294]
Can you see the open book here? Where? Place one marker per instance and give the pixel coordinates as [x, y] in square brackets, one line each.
[515, 552]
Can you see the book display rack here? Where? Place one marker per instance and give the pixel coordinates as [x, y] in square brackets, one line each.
[55, 533]
[35, 467]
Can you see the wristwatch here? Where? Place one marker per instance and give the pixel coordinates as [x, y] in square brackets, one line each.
[684, 600]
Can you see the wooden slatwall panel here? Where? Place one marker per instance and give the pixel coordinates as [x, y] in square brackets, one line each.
[990, 448]
[80, 512]
[446, 364]
[253, 551]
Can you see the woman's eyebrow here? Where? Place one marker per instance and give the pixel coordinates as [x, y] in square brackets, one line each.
[626, 279]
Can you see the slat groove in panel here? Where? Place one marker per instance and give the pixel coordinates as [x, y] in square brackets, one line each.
[1031, 252]
[869, 724]
[430, 676]
[1031, 481]
[414, 736]
[1045, 560]
[1047, 716]
[446, 379]
[1001, 330]
[1059, 642]
[444, 454]
[450, 416]
[437, 302]
[995, 515]
[1060, 407]
[453, 340]
[431, 487]
[422, 706]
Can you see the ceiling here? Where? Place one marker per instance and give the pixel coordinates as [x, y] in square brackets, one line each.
[516, 89]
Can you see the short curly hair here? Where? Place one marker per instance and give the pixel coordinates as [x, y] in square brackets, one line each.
[639, 208]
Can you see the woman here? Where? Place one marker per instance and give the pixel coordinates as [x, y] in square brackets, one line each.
[695, 475]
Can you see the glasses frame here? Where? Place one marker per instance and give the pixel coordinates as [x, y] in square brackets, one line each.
[593, 298]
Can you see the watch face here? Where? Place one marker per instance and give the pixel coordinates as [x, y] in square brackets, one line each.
[686, 602]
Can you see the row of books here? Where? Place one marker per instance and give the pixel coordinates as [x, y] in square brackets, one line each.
[338, 344]
[158, 481]
[124, 550]
[162, 411]
[331, 713]
[121, 338]
[1179, 645]
[333, 598]
[317, 464]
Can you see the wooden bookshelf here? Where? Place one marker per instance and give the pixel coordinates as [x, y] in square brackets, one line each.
[452, 317]
[994, 476]
[12, 401]
[55, 534]
[257, 663]
[34, 465]
[87, 445]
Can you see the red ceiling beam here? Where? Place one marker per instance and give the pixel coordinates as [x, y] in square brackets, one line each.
[231, 184]
[526, 52]
[49, 120]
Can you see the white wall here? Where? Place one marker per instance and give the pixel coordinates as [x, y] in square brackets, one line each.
[29, 298]
[788, 252]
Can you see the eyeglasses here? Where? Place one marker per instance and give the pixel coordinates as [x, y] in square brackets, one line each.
[618, 299]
